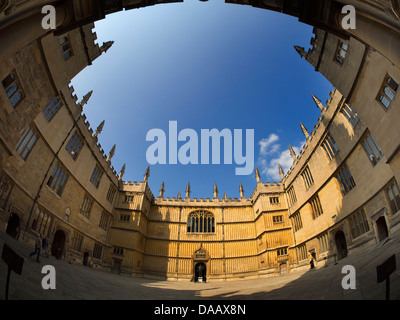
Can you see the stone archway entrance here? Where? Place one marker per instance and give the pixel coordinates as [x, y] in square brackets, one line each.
[382, 228]
[13, 225]
[200, 272]
[341, 244]
[200, 260]
[57, 246]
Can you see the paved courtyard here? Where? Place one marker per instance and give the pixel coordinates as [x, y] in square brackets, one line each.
[79, 282]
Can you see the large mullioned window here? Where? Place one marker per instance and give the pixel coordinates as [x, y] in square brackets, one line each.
[201, 222]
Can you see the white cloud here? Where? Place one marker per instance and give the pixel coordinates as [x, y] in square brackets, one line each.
[271, 156]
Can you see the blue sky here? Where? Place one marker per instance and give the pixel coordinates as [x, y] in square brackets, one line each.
[205, 65]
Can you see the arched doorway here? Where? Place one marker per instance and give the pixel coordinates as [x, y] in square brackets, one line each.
[85, 258]
[58, 244]
[117, 266]
[200, 272]
[283, 268]
[13, 225]
[341, 245]
[381, 225]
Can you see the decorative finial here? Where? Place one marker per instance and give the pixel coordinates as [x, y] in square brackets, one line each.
[318, 103]
[179, 196]
[162, 189]
[188, 190]
[241, 191]
[258, 176]
[106, 45]
[292, 153]
[147, 174]
[111, 154]
[301, 51]
[305, 132]
[122, 172]
[85, 99]
[215, 191]
[99, 129]
[281, 172]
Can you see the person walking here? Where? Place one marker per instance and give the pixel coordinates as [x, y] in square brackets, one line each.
[38, 246]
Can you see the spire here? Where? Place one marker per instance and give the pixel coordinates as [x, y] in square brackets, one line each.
[111, 154]
[122, 172]
[147, 174]
[301, 51]
[292, 153]
[99, 129]
[305, 132]
[179, 196]
[85, 99]
[188, 190]
[162, 189]
[258, 176]
[281, 172]
[215, 191]
[241, 192]
[106, 45]
[318, 103]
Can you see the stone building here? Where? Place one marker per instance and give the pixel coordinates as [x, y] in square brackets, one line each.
[341, 193]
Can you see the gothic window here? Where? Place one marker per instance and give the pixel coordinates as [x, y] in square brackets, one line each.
[274, 200]
[66, 47]
[316, 207]
[97, 251]
[104, 220]
[86, 206]
[330, 146]
[350, 114]
[358, 224]
[345, 180]
[12, 87]
[58, 179]
[96, 175]
[51, 108]
[394, 198]
[302, 250]
[26, 143]
[387, 92]
[371, 147]
[307, 177]
[111, 193]
[282, 252]
[292, 195]
[5, 189]
[74, 145]
[297, 222]
[323, 242]
[201, 222]
[341, 52]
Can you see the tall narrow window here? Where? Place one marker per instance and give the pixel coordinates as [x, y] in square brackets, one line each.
[371, 147]
[51, 108]
[323, 242]
[350, 114]
[97, 251]
[307, 177]
[77, 240]
[345, 180]
[330, 146]
[26, 143]
[358, 224]
[86, 206]
[292, 195]
[74, 145]
[297, 222]
[66, 47]
[58, 179]
[111, 193]
[104, 220]
[13, 91]
[394, 198]
[5, 189]
[96, 175]
[388, 92]
[316, 207]
[302, 250]
[341, 52]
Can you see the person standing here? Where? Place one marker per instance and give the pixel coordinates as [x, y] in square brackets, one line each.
[38, 246]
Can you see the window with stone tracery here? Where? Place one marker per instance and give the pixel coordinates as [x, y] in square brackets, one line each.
[201, 222]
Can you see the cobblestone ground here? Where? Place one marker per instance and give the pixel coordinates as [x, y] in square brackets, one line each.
[79, 282]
